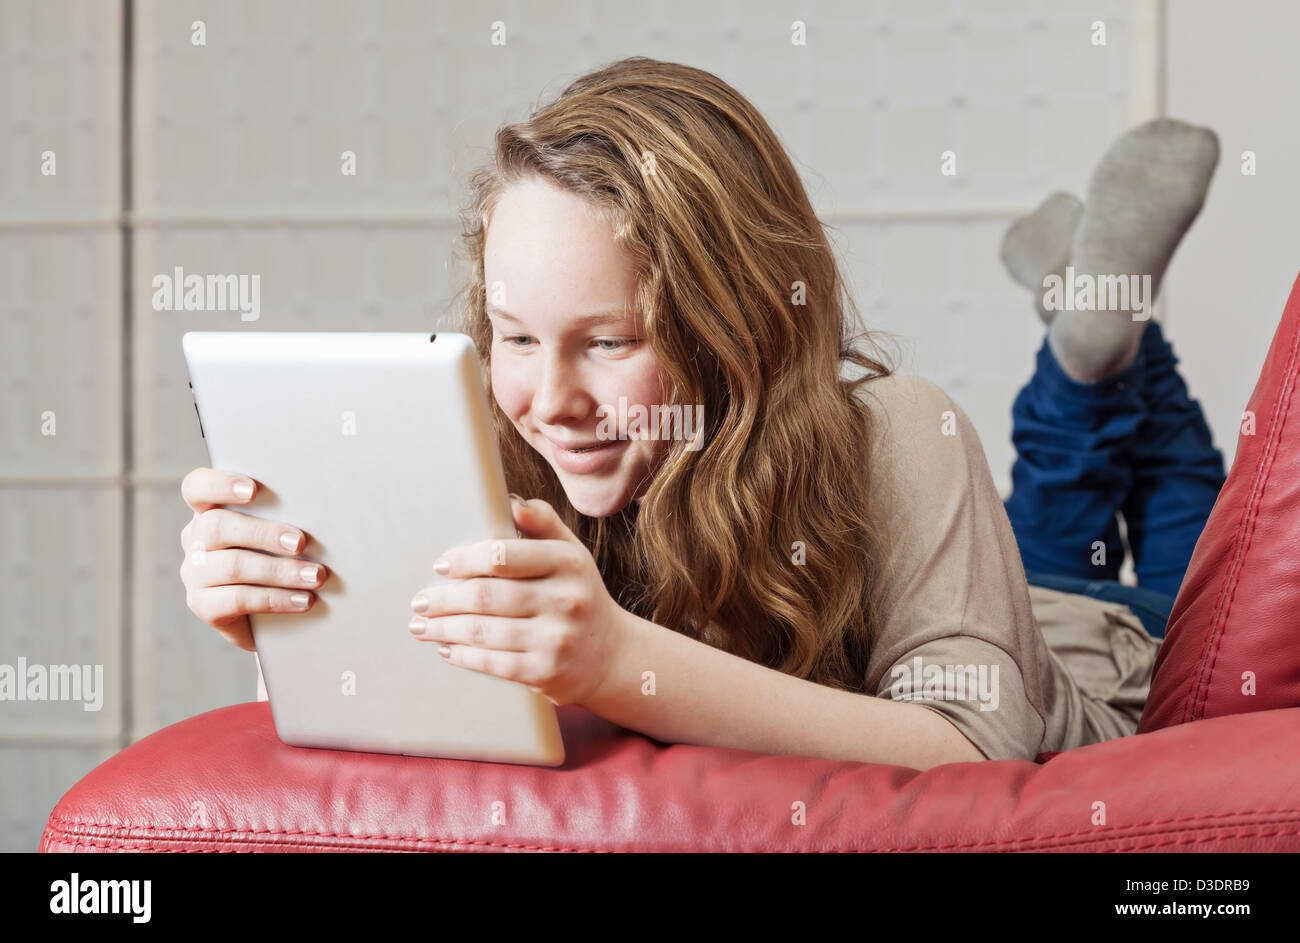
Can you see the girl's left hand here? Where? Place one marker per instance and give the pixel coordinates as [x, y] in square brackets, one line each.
[534, 611]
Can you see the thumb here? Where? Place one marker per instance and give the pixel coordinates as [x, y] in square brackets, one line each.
[539, 520]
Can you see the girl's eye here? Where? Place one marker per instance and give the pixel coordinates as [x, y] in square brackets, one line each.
[619, 344]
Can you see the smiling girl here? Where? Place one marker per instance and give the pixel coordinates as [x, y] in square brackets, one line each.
[788, 582]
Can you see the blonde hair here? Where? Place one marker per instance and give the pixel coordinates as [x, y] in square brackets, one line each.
[700, 193]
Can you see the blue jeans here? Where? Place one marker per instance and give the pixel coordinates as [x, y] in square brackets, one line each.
[1134, 443]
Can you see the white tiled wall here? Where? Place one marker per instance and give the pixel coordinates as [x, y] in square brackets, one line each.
[62, 501]
[1233, 273]
[234, 167]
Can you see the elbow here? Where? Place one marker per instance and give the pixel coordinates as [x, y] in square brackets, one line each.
[963, 752]
[950, 744]
[967, 752]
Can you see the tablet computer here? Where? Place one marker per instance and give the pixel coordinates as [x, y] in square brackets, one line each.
[381, 447]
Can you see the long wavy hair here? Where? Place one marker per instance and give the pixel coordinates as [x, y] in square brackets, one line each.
[763, 542]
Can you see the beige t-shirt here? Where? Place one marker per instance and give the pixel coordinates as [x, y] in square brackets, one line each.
[1019, 670]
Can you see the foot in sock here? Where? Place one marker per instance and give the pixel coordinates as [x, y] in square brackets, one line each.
[1039, 245]
[1143, 196]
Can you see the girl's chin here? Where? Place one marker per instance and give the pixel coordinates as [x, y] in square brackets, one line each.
[593, 503]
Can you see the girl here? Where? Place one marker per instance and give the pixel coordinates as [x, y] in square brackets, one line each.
[823, 569]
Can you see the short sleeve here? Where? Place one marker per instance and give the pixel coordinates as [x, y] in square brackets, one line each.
[955, 604]
[976, 686]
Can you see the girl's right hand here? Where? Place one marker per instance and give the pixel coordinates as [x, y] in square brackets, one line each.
[235, 563]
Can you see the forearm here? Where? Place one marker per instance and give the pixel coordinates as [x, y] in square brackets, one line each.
[705, 696]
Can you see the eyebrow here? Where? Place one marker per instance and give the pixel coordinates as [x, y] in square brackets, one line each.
[585, 321]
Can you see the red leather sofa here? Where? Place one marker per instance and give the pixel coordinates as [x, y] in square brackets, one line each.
[1215, 764]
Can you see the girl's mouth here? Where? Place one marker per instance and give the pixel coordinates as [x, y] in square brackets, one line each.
[587, 458]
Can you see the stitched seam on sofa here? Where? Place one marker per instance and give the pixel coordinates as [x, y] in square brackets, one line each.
[212, 835]
[1134, 832]
[217, 851]
[192, 835]
[1094, 839]
[448, 844]
[1214, 638]
[1199, 841]
[161, 851]
[150, 844]
[1194, 677]
[82, 823]
[142, 845]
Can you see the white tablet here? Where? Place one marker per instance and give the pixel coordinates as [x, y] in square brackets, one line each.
[381, 448]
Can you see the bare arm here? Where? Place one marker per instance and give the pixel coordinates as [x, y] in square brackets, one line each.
[708, 697]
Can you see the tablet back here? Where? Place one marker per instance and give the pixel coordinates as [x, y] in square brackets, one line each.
[381, 448]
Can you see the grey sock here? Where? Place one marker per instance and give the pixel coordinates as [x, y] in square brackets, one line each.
[1039, 244]
[1143, 196]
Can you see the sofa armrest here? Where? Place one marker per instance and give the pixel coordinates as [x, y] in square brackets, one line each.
[223, 781]
[1230, 647]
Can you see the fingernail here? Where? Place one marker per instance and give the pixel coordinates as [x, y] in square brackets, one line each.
[308, 574]
[419, 602]
[444, 651]
[300, 600]
[518, 500]
[243, 490]
[442, 565]
[290, 542]
[417, 625]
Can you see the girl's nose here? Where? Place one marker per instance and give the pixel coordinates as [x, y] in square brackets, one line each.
[559, 396]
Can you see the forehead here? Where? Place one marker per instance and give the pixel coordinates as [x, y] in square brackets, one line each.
[547, 248]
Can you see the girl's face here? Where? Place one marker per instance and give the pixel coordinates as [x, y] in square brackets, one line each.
[560, 297]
